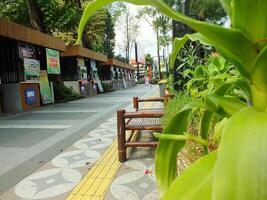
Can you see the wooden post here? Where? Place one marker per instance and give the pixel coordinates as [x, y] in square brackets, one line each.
[121, 135]
[135, 103]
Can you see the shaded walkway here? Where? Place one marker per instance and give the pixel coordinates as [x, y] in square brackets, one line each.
[56, 178]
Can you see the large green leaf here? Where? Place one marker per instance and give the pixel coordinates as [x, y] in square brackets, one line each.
[178, 43]
[259, 70]
[240, 171]
[229, 105]
[259, 79]
[195, 182]
[166, 153]
[226, 40]
[227, 6]
[250, 17]
[205, 124]
[244, 86]
[223, 89]
[183, 137]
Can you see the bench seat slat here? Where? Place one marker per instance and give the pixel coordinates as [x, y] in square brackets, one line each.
[141, 144]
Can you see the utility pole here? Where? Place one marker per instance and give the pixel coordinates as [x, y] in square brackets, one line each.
[158, 51]
[165, 62]
[185, 7]
[127, 38]
[136, 60]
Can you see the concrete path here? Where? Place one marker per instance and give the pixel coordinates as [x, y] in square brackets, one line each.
[30, 139]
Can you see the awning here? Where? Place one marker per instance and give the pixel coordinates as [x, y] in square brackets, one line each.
[80, 51]
[22, 33]
[119, 64]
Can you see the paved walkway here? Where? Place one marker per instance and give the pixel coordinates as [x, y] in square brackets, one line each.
[54, 127]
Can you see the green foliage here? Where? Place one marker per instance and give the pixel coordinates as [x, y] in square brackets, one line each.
[205, 10]
[154, 80]
[121, 58]
[55, 14]
[15, 10]
[238, 169]
[174, 105]
[101, 32]
[63, 93]
[149, 59]
[191, 55]
[60, 19]
[209, 10]
[170, 84]
[107, 86]
[204, 79]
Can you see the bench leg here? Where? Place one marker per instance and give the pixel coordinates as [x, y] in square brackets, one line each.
[121, 135]
[135, 103]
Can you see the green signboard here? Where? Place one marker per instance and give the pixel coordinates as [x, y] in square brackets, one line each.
[31, 67]
[52, 59]
[45, 88]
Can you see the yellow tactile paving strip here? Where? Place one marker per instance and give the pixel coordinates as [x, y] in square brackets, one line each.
[97, 181]
[95, 184]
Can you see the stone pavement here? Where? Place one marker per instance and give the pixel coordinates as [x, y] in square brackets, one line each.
[26, 136]
[135, 179]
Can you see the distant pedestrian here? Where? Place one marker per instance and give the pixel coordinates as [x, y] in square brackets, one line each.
[147, 81]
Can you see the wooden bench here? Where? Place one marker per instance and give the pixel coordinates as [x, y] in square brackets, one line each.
[137, 101]
[141, 119]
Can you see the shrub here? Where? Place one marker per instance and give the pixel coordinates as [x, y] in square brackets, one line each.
[107, 86]
[63, 93]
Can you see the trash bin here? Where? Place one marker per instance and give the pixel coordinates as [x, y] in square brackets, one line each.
[162, 87]
[95, 88]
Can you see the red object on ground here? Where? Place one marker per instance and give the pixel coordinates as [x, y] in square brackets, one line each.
[147, 171]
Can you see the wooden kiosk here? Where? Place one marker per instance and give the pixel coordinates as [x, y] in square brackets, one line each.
[79, 69]
[27, 59]
[120, 74]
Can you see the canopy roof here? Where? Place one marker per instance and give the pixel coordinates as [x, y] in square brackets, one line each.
[118, 63]
[22, 33]
[80, 51]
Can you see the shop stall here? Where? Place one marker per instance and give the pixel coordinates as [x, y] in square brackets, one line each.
[79, 70]
[121, 74]
[29, 61]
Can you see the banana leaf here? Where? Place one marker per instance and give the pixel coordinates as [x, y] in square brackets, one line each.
[240, 170]
[225, 40]
[195, 182]
[166, 152]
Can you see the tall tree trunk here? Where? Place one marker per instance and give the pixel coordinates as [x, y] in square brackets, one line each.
[85, 40]
[157, 32]
[36, 18]
[127, 38]
[79, 3]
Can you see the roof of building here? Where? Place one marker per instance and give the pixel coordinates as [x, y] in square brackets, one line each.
[133, 61]
[80, 51]
[22, 33]
[118, 63]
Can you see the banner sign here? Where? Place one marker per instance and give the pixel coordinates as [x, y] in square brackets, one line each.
[53, 63]
[96, 77]
[30, 96]
[26, 51]
[83, 72]
[31, 67]
[45, 88]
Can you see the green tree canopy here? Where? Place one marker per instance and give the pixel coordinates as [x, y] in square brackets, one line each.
[60, 19]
